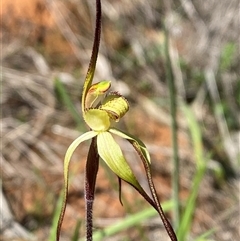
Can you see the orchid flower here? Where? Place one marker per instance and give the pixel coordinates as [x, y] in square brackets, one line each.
[99, 111]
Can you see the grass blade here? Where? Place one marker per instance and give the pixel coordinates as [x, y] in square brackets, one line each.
[174, 130]
[66, 100]
[53, 230]
[201, 161]
[76, 231]
[129, 221]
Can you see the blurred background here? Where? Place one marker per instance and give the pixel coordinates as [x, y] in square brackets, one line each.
[45, 51]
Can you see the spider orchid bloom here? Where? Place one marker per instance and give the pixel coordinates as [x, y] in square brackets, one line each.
[113, 107]
[99, 119]
[99, 116]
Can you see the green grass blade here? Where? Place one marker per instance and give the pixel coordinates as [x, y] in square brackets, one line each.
[129, 221]
[66, 100]
[204, 237]
[186, 220]
[174, 130]
[201, 161]
[76, 231]
[53, 230]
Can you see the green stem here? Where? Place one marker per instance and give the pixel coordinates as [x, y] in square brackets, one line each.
[174, 127]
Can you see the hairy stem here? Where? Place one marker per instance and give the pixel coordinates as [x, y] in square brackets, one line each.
[90, 181]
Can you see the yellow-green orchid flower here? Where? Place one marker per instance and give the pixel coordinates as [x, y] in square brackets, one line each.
[99, 116]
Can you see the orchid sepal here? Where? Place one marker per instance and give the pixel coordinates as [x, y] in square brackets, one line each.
[84, 137]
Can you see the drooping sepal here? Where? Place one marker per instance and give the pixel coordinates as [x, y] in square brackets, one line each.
[69, 153]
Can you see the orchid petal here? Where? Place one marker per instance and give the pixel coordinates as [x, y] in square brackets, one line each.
[145, 157]
[96, 90]
[111, 153]
[70, 150]
[138, 143]
[97, 120]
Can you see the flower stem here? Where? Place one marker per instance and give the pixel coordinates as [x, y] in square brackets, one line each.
[90, 181]
[89, 224]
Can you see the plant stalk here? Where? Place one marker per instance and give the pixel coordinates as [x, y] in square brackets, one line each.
[90, 181]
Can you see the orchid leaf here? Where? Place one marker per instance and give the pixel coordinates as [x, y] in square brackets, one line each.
[86, 136]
